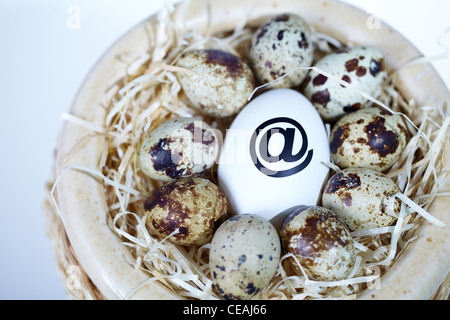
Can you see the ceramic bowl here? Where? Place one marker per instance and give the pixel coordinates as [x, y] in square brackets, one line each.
[81, 199]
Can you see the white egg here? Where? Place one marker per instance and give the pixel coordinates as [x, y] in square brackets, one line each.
[272, 154]
[361, 67]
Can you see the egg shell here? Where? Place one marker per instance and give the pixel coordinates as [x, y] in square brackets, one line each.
[280, 45]
[272, 154]
[370, 138]
[362, 198]
[194, 206]
[244, 256]
[362, 67]
[218, 83]
[179, 148]
[320, 241]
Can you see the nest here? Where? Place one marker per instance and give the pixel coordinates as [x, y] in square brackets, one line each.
[149, 94]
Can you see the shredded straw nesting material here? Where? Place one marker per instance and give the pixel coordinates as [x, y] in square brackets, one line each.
[149, 93]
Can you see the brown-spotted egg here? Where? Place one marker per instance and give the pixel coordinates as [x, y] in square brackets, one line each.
[362, 198]
[194, 206]
[278, 46]
[369, 138]
[217, 83]
[244, 256]
[362, 67]
[178, 148]
[321, 243]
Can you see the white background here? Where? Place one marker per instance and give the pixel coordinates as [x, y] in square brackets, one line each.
[42, 64]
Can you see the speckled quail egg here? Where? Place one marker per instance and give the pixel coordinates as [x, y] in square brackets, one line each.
[244, 256]
[362, 198]
[194, 206]
[320, 241]
[278, 46]
[217, 83]
[369, 138]
[178, 148]
[362, 67]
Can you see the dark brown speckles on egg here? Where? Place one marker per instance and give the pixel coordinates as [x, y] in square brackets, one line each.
[341, 181]
[185, 205]
[321, 97]
[163, 160]
[163, 155]
[292, 215]
[361, 72]
[220, 82]
[381, 140]
[247, 249]
[347, 79]
[351, 65]
[261, 33]
[352, 108]
[347, 199]
[361, 140]
[363, 207]
[233, 64]
[368, 138]
[251, 289]
[320, 241]
[340, 184]
[340, 134]
[201, 135]
[284, 41]
[303, 43]
[319, 80]
[376, 67]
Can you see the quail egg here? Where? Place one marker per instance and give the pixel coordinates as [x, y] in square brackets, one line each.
[362, 198]
[362, 67]
[194, 206]
[321, 243]
[217, 83]
[280, 45]
[369, 138]
[244, 256]
[179, 148]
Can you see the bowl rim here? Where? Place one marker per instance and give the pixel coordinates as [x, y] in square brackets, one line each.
[100, 251]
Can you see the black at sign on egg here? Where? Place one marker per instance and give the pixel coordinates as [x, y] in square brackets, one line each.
[287, 153]
[273, 153]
